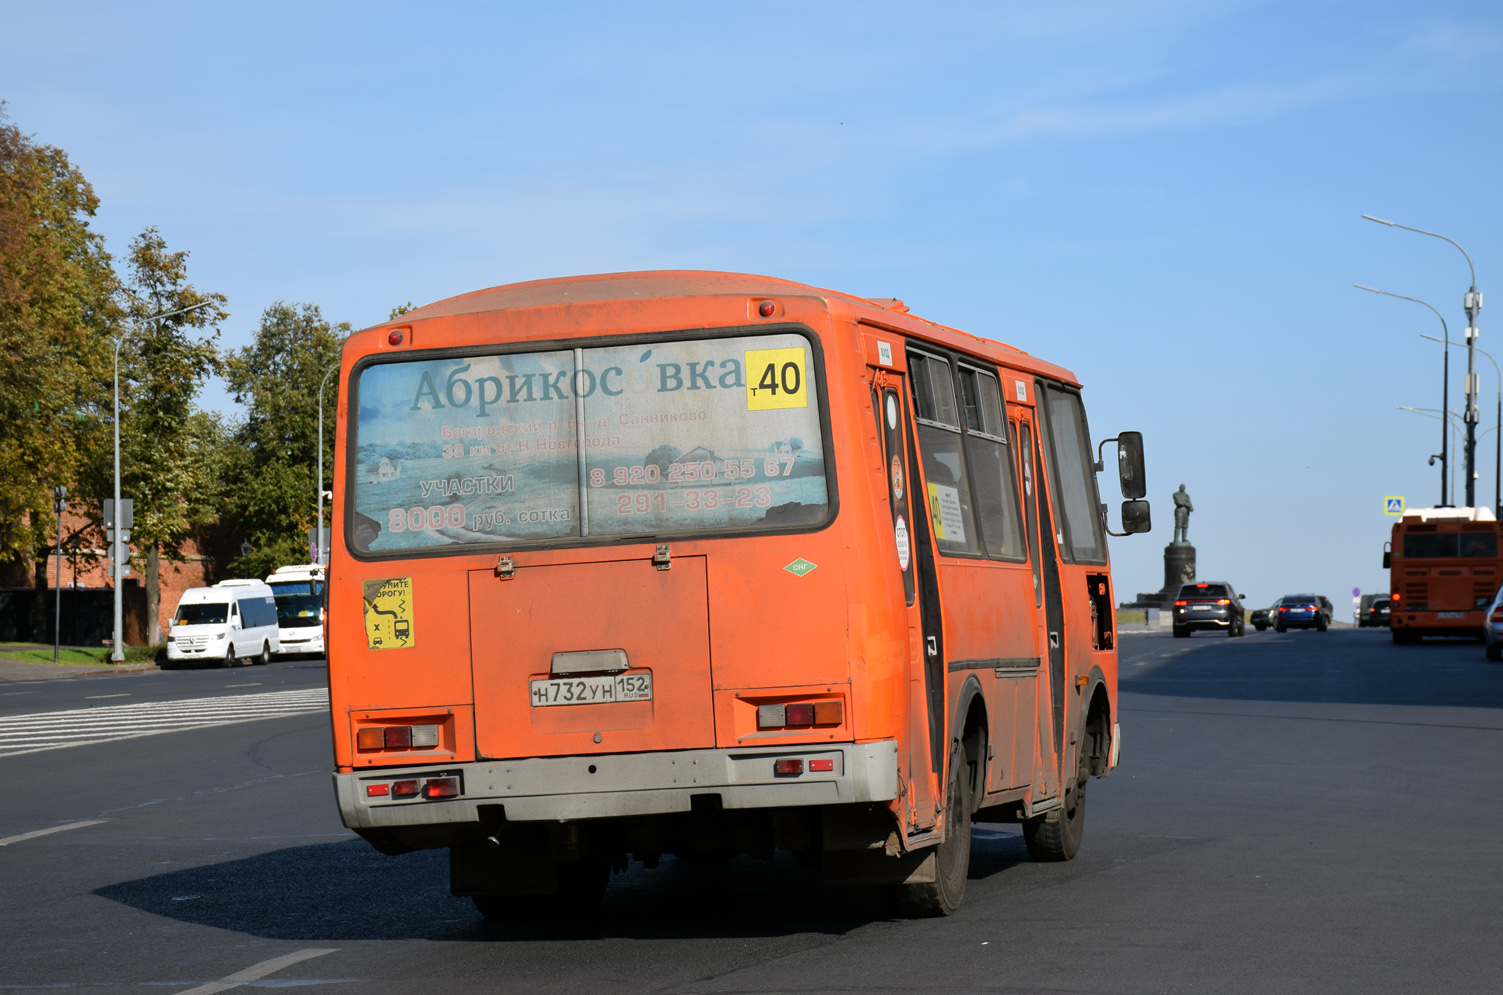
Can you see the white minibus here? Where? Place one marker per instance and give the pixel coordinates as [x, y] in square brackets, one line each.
[233, 622]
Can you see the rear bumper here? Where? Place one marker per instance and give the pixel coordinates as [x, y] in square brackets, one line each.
[599, 787]
[309, 640]
[1198, 622]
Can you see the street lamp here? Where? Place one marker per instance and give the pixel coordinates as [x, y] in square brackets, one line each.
[318, 527]
[1472, 302]
[117, 655]
[245, 549]
[1498, 448]
[1445, 385]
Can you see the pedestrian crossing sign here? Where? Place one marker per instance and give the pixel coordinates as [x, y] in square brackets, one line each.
[1393, 506]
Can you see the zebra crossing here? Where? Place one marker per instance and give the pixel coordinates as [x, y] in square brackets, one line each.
[21, 734]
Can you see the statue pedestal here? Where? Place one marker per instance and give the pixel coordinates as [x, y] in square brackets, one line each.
[1179, 567]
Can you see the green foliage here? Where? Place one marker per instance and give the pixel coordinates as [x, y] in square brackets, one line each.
[57, 307]
[274, 455]
[399, 310]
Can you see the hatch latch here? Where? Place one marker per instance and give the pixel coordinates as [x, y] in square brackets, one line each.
[505, 568]
[663, 558]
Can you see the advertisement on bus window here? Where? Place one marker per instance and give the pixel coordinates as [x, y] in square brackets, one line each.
[649, 439]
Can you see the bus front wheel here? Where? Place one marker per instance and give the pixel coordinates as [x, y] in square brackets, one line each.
[952, 858]
[1056, 836]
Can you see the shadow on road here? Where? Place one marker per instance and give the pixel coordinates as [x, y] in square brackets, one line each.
[1338, 666]
[346, 891]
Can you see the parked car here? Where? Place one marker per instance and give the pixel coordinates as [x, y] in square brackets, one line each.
[1360, 614]
[1378, 612]
[1303, 611]
[1208, 605]
[1492, 629]
[1263, 617]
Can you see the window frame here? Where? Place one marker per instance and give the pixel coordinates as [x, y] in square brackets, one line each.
[351, 440]
[1045, 416]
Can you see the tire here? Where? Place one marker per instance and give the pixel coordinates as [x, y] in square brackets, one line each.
[265, 656]
[952, 858]
[1180, 633]
[1495, 652]
[229, 657]
[1260, 626]
[1056, 836]
[1278, 627]
[1320, 623]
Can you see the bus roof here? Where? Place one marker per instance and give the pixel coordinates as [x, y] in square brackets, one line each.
[1448, 514]
[656, 284]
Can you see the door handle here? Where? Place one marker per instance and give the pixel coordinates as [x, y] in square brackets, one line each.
[1054, 640]
[932, 645]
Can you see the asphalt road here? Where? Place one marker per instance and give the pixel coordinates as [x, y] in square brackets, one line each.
[1306, 812]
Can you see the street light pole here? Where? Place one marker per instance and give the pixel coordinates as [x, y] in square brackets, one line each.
[1449, 420]
[117, 653]
[1498, 426]
[1445, 382]
[318, 528]
[1472, 302]
[59, 502]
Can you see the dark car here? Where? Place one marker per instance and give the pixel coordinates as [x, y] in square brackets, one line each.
[1303, 611]
[1263, 617]
[1208, 605]
[1377, 612]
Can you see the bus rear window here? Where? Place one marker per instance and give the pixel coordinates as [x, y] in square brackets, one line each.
[1442, 545]
[643, 439]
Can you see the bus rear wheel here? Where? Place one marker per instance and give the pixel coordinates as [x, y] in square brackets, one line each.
[1057, 835]
[952, 858]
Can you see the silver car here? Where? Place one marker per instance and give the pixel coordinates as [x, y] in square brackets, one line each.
[1492, 629]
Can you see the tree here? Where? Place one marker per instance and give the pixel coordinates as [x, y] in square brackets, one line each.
[274, 455]
[57, 308]
[166, 446]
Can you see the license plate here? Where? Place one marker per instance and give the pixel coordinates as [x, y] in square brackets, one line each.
[1205, 608]
[1450, 614]
[600, 690]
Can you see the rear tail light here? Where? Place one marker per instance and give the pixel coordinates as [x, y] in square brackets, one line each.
[1395, 596]
[404, 789]
[788, 766]
[801, 715]
[1224, 601]
[441, 787]
[369, 739]
[1498, 614]
[1180, 604]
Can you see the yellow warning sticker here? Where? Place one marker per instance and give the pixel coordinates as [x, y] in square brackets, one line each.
[388, 614]
[776, 378]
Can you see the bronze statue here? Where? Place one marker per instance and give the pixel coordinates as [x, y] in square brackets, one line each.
[1182, 509]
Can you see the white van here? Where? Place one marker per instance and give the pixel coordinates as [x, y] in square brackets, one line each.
[299, 592]
[233, 622]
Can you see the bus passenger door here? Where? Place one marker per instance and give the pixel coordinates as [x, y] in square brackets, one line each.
[1045, 559]
[917, 764]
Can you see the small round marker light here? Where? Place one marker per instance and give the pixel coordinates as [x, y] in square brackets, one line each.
[395, 337]
[766, 308]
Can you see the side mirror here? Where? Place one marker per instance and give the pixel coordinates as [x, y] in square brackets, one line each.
[1387, 560]
[1130, 470]
[1241, 597]
[1135, 517]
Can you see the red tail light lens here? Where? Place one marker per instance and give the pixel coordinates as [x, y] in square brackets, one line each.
[788, 766]
[377, 790]
[1497, 615]
[1180, 604]
[1224, 601]
[801, 714]
[398, 737]
[819, 766]
[404, 789]
[1395, 596]
[441, 787]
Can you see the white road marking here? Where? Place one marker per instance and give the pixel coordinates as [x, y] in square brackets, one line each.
[257, 971]
[8, 840]
[253, 684]
[122, 694]
[20, 734]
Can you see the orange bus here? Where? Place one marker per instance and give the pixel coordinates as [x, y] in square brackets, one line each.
[1444, 570]
[704, 563]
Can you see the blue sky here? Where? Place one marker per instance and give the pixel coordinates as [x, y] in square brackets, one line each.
[1162, 196]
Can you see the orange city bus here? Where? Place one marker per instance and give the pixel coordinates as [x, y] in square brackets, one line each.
[1444, 570]
[705, 563]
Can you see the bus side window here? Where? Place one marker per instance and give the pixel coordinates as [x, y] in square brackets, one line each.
[1073, 465]
[948, 493]
[991, 465]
